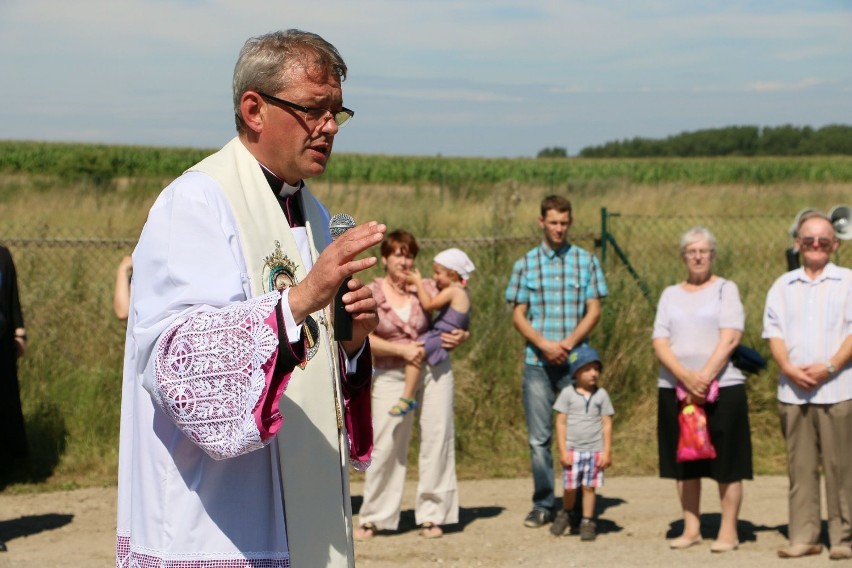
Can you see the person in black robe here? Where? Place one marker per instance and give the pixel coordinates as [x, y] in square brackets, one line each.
[13, 342]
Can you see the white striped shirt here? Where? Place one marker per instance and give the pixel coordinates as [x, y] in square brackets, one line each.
[813, 317]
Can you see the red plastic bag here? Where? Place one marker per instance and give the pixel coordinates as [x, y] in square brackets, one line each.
[694, 441]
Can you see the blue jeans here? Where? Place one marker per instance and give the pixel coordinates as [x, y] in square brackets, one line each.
[541, 386]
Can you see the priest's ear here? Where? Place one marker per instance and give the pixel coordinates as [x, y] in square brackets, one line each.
[253, 110]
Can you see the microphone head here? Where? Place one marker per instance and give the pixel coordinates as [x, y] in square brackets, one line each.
[339, 224]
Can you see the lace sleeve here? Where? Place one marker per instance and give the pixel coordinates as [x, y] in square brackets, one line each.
[214, 376]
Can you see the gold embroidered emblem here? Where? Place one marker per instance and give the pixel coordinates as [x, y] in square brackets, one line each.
[279, 273]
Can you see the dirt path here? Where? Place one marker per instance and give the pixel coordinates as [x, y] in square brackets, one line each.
[76, 528]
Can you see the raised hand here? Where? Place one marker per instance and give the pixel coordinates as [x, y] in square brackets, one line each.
[413, 276]
[335, 263]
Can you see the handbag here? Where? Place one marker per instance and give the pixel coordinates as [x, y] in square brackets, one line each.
[694, 439]
[748, 360]
[745, 358]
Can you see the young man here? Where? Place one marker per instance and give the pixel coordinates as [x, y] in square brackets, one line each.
[240, 411]
[555, 291]
[808, 322]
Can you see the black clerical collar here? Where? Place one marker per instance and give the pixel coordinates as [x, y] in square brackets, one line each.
[278, 185]
[288, 196]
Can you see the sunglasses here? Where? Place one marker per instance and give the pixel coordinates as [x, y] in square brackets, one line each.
[814, 242]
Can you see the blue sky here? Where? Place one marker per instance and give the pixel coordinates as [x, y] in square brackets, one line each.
[456, 78]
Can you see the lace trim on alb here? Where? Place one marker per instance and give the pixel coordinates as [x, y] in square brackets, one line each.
[127, 558]
[210, 375]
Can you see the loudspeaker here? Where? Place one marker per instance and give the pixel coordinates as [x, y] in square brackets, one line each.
[793, 260]
[794, 228]
[841, 218]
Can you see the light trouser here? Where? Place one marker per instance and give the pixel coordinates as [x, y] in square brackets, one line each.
[437, 489]
[814, 431]
[541, 385]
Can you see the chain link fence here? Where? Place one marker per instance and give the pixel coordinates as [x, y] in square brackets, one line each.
[67, 277]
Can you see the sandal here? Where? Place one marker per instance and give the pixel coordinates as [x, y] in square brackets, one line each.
[402, 408]
[365, 531]
[430, 530]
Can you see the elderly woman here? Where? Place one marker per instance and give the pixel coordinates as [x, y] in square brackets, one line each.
[394, 343]
[699, 323]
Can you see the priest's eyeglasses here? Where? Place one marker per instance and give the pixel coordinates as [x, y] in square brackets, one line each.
[314, 115]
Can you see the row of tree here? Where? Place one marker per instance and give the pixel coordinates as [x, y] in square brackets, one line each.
[788, 140]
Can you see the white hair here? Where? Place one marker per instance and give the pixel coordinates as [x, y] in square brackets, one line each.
[697, 234]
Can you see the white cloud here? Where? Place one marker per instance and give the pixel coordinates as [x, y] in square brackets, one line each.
[780, 86]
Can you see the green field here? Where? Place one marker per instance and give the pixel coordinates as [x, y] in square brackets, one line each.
[68, 224]
[102, 164]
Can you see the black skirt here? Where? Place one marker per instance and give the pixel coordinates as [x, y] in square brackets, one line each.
[727, 421]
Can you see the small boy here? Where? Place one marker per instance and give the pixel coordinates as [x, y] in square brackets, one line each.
[584, 435]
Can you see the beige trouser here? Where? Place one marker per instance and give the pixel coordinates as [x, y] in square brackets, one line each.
[437, 490]
[811, 431]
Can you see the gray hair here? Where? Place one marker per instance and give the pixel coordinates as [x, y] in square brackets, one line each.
[696, 234]
[265, 63]
[814, 215]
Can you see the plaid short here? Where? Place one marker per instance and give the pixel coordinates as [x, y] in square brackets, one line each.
[584, 471]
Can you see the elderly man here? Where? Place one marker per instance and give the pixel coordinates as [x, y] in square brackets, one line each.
[808, 322]
[240, 410]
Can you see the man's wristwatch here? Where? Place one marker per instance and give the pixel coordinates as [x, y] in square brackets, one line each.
[830, 367]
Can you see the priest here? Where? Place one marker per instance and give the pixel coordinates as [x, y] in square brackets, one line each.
[241, 411]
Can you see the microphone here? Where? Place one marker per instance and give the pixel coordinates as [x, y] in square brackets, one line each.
[338, 225]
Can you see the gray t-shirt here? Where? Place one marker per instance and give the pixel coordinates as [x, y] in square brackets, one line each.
[585, 427]
[692, 320]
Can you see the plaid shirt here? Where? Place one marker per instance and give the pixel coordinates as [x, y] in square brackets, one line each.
[555, 286]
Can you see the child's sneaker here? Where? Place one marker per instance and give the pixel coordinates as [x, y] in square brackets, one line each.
[587, 530]
[560, 524]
